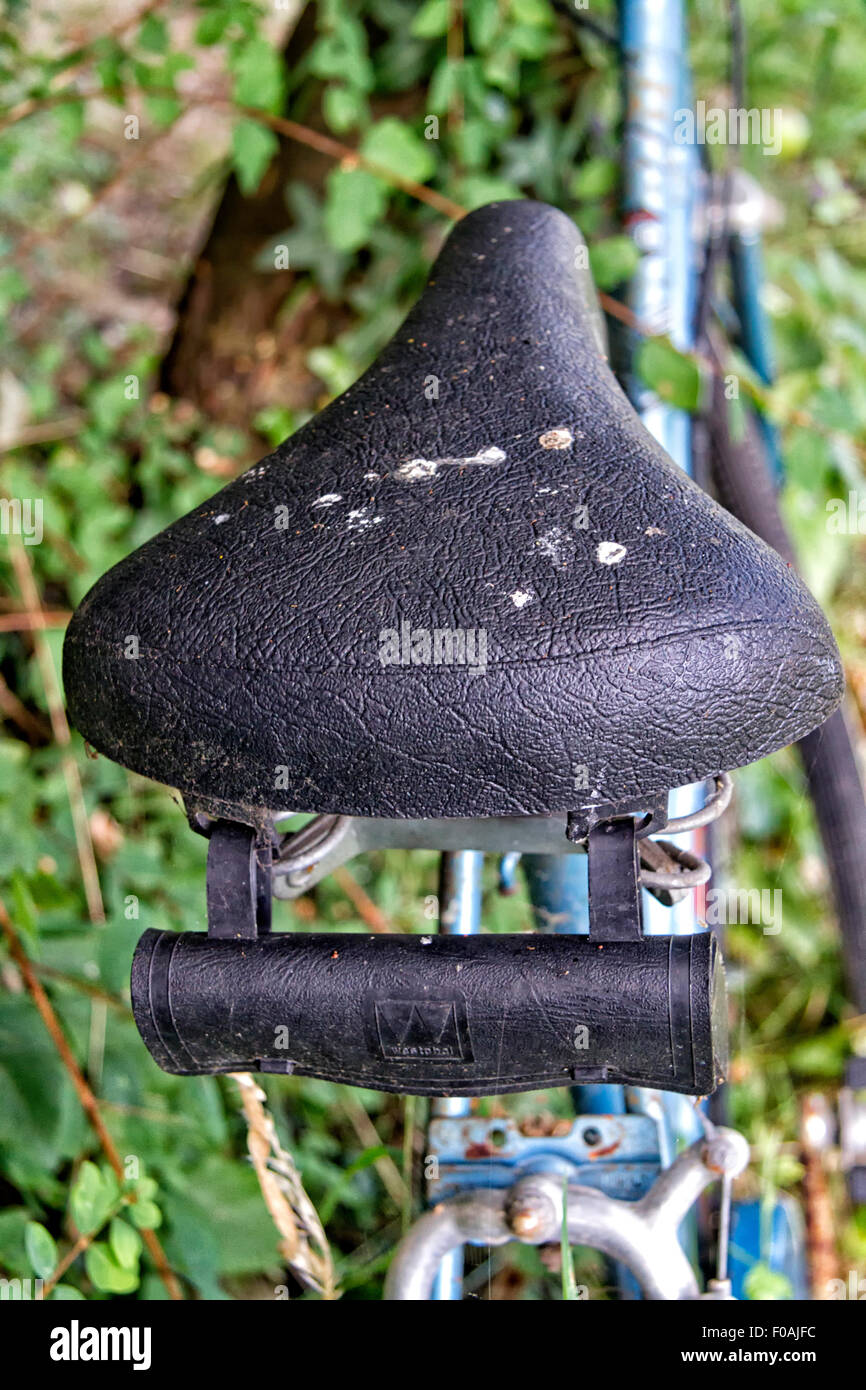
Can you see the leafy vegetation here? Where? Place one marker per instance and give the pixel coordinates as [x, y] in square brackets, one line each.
[525, 104]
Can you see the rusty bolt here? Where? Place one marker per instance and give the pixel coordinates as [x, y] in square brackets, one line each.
[527, 1223]
[531, 1210]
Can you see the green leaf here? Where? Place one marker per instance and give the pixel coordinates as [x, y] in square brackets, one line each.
[364, 1161]
[432, 20]
[395, 147]
[275, 423]
[613, 260]
[344, 107]
[125, 1242]
[530, 41]
[336, 370]
[218, 1221]
[259, 78]
[66, 1293]
[501, 69]
[69, 121]
[444, 85]
[821, 1056]
[91, 1199]
[763, 1284]
[355, 203]
[673, 376]
[105, 1273]
[477, 189]
[307, 243]
[110, 65]
[145, 1215]
[595, 178]
[535, 12]
[211, 27]
[146, 1188]
[484, 19]
[109, 401]
[41, 1249]
[25, 908]
[253, 148]
[343, 54]
[153, 35]
[38, 1120]
[569, 1285]
[163, 111]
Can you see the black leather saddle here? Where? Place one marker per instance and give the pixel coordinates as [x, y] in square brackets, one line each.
[474, 585]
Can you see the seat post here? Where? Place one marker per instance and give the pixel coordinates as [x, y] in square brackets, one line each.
[459, 915]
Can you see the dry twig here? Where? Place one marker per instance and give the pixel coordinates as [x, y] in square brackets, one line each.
[370, 914]
[304, 1245]
[33, 622]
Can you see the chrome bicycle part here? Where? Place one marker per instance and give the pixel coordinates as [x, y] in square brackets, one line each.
[324, 843]
[642, 1235]
[304, 849]
[712, 808]
[665, 866]
[329, 841]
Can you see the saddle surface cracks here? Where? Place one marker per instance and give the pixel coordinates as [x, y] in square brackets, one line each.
[473, 585]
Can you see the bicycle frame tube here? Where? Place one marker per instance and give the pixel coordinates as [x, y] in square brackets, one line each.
[661, 178]
[459, 915]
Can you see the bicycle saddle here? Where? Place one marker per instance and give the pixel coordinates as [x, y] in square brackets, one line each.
[473, 585]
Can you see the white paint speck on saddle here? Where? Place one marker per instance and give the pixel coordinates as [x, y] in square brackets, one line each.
[360, 519]
[557, 545]
[415, 469]
[560, 438]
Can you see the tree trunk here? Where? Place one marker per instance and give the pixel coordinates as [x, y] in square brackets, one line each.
[233, 352]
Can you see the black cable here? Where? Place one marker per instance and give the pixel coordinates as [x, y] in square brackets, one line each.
[582, 21]
[718, 241]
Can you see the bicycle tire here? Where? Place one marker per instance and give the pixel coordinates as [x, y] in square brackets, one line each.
[744, 486]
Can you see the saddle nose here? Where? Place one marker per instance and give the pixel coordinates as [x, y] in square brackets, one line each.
[474, 585]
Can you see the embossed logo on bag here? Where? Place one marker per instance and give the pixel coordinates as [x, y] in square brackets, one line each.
[410, 1030]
